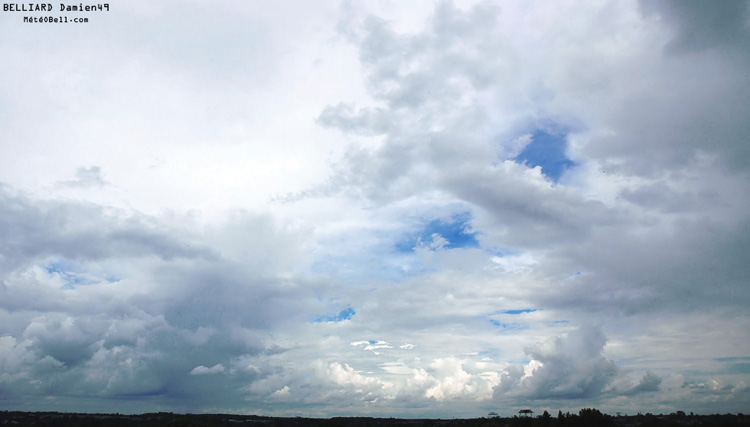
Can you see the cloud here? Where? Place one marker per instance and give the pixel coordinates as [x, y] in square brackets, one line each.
[451, 381]
[202, 370]
[365, 122]
[698, 27]
[631, 165]
[649, 382]
[72, 230]
[567, 367]
[151, 295]
[379, 210]
[351, 385]
[282, 393]
[372, 345]
[86, 177]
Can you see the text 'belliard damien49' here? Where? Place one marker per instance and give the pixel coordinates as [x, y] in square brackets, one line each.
[47, 7]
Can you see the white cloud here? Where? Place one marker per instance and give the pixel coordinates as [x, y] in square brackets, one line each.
[202, 370]
[282, 393]
[372, 345]
[453, 381]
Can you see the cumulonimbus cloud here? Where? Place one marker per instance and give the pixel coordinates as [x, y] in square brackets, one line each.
[570, 366]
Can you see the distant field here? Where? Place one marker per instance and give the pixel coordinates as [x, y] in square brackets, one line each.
[591, 418]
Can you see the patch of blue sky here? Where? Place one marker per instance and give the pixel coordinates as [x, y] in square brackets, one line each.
[345, 314]
[503, 323]
[72, 274]
[455, 230]
[514, 312]
[61, 267]
[512, 326]
[547, 150]
[521, 311]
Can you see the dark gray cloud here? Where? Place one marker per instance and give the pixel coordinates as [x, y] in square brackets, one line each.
[82, 231]
[649, 382]
[173, 307]
[525, 210]
[699, 25]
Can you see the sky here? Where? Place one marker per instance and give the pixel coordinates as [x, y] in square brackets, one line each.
[376, 208]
